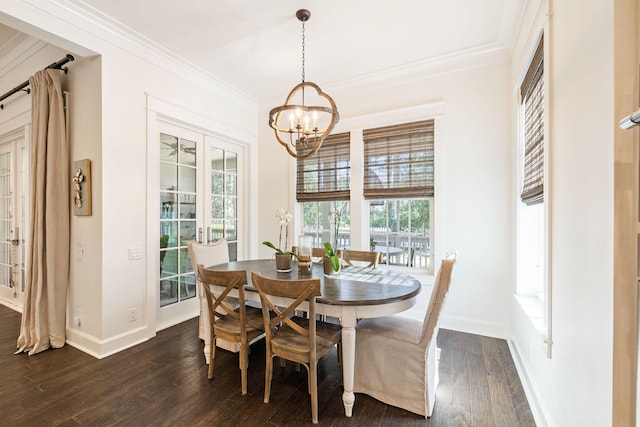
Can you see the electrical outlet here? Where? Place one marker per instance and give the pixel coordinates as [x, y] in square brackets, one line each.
[133, 314]
[76, 321]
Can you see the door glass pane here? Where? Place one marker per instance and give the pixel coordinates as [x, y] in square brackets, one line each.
[168, 291]
[187, 152]
[178, 198]
[217, 183]
[230, 230]
[167, 205]
[187, 232]
[217, 207]
[187, 179]
[217, 159]
[230, 185]
[187, 287]
[168, 148]
[6, 220]
[231, 160]
[230, 205]
[217, 229]
[168, 262]
[168, 234]
[187, 211]
[168, 176]
[224, 200]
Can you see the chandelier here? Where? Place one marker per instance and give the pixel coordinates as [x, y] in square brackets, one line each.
[299, 126]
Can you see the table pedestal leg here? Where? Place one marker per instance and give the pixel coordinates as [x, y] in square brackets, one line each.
[348, 322]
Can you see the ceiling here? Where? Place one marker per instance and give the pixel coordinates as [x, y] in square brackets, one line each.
[256, 46]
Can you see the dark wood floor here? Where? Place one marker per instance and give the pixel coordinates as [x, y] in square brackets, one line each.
[163, 383]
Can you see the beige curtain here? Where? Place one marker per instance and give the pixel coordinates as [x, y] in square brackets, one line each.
[47, 275]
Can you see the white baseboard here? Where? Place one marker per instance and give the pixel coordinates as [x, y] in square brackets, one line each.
[472, 326]
[530, 390]
[103, 348]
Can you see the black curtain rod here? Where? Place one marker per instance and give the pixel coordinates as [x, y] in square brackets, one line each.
[56, 65]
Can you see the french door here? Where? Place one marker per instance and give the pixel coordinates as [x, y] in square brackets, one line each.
[13, 185]
[199, 196]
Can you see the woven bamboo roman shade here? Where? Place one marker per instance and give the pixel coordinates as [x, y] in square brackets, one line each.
[326, 174]
[398, 161]
[532, 95]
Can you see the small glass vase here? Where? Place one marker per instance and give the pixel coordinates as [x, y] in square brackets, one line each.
[283, 263]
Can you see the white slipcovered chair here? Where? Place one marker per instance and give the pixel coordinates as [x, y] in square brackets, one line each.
[396, 355]
[207, 255]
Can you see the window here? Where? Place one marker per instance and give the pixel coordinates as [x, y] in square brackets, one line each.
[531, 212]
[318, 223]
[399, 183]
[323, 187]
[531, 209]
[386, 203]
[400, 230]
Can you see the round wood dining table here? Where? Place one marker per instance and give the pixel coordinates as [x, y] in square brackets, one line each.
[354, 293]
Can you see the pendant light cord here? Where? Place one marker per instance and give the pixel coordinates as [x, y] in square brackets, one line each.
[303, 60]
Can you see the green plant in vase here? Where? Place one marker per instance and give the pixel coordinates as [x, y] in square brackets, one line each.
[283, 257]
[334, 259]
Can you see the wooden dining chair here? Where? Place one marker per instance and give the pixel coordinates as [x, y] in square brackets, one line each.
[349, 255]
[316, 253]
[396, 356]
[240, 325]
[300, 340]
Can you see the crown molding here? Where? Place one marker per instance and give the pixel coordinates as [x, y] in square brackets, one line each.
[80, 16]
[451, 62]
[443, 64]
[18, 50]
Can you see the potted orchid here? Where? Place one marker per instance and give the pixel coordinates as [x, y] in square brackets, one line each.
[331, 260]
[283, 257]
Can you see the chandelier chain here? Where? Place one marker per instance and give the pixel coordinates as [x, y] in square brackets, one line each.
[303, 51]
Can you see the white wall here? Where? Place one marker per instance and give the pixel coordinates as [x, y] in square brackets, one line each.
[473, 189]
[573, 388]
[105, 292]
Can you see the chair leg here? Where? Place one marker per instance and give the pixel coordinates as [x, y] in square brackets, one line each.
[313, 384]
[212, 354]
[268, 373]
[243, 366]
[339, 352]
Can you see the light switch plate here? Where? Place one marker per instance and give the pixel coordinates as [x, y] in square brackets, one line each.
[135, 253]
